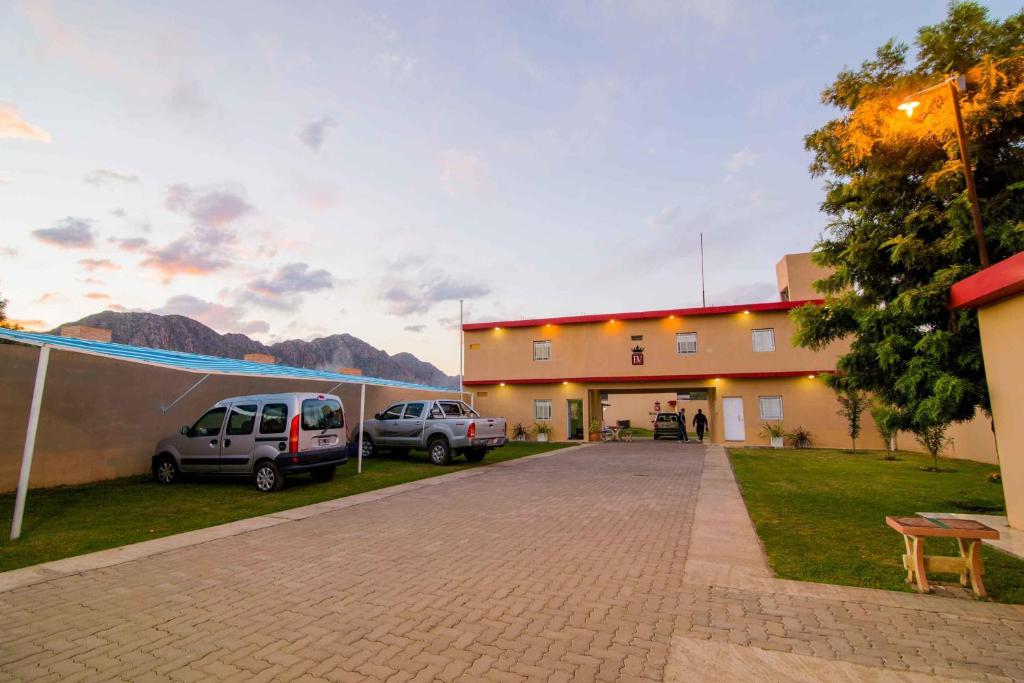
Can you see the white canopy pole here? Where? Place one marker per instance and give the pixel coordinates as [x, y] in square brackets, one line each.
[362, 415]
[30, 441]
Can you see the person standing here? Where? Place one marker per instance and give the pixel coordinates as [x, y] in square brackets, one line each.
[683, 436]
[700, 424]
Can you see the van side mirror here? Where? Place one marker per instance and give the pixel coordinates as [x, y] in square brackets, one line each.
[184, 430]
[376, 416]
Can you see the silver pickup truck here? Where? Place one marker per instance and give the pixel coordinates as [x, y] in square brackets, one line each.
[442, 428]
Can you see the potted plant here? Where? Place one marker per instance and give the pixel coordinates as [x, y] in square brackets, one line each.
[519, 432]
[801, 438]
[542, 430]
[595, 429]
[774, 432]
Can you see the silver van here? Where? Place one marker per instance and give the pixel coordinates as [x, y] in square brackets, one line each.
[267, 437]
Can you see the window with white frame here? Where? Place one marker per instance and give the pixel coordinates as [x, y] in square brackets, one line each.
[771, 407]
[764, 340]
[686, 342]
[542, 350]
[542, 409]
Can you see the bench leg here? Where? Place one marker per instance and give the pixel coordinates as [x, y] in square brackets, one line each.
[919, 570]
[970, 551]
[908, 541]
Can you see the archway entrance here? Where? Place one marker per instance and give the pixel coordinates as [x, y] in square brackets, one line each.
[636, 408]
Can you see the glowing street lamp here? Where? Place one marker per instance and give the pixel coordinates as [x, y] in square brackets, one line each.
[957, 83]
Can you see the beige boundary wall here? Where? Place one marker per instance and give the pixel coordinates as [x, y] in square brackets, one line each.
[807, 402]
[101, 417]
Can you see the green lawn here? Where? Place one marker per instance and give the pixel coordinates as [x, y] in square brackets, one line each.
[821, 514]
[72, 520]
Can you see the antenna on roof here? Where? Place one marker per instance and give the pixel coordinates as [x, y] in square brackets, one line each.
[703, 300]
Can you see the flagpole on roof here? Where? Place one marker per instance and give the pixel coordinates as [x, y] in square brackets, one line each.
[462, 350]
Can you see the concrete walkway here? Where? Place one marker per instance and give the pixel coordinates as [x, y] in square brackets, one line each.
[609, 562]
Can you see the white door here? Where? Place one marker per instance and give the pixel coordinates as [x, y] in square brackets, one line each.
[732, 411]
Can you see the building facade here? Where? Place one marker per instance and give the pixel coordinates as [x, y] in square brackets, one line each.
[736, 362]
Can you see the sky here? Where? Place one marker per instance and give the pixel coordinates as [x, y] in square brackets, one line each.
[293, 170]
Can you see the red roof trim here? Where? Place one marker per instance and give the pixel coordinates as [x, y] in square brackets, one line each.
[1004, 279]
[648, 378]
[646, 315]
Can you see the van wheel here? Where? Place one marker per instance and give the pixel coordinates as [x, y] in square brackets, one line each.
[165, 470]
[322, 473]
[475, 454]
[368, 446]
[440, 451]
[267, 477]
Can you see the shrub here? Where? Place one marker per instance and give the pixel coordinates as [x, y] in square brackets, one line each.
[801, 438]
[933, 439]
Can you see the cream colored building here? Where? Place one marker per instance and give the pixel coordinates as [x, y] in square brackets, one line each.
[562, 370]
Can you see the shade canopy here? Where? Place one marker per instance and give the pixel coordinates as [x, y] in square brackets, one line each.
[194, 362]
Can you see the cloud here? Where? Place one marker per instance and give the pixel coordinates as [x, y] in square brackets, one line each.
[13, 126]
[218, 316]
[415, 329]
[94, 264]
[314, 133]
[8, 251]
[130, 243]
[749, 293]
[49, 297]
[68, 233]
[740, 160]
[405, 299]
[106, 176]
[189, 255]
[282, 289]
[96, 296]
[187, 97]
[216, 206]
[6, 179]
[463, 171]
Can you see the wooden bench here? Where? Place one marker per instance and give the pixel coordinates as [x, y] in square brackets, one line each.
[968, 534]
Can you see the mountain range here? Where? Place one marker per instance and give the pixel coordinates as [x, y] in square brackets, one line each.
[181, 333]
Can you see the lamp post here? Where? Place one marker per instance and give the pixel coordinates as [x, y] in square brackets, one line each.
[957, 83]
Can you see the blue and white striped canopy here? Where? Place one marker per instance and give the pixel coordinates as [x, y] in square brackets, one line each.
[193, 362]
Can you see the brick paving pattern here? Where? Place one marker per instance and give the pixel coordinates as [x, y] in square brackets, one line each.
[560, 568]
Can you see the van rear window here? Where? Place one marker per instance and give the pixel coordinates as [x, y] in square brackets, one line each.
[274, 419]
[322, 413]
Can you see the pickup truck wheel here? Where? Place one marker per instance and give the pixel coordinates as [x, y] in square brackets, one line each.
[322, 473]
[165, 470]
[440, 451]
[267, 477]
[369, 448]
[475, 454]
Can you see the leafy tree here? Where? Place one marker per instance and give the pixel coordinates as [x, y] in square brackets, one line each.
[933, 438]
[852, 403]
[4, 322]
[900, 232]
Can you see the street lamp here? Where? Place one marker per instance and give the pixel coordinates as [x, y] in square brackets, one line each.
[957, 83]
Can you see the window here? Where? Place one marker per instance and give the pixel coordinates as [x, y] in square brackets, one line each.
[435, 412]
[274, 419]
[542, 409]
[474, 347]
[771, 407]
[452, 409]
[241, 420]
[637, 337]
[392, 413]
[413, 410]
[322, 413]
[482, 394]
[686, 343]
[542, 350]
[209, 424]
[764, 339]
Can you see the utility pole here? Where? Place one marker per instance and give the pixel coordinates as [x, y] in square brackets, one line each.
[703, 299]
[462, 348]
[965, 157]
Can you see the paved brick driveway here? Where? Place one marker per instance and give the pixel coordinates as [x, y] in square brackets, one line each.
[553, 568]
